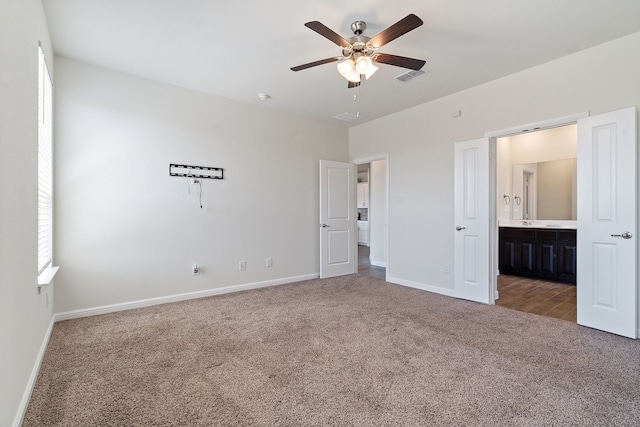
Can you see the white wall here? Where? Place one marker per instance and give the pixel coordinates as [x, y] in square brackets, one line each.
[127, 231]
[420, 144]
[504, 205]
[378, 213]
[24, 316]
[542, 146]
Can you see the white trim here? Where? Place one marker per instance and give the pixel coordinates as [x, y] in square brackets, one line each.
[31, 383]
[421, 286]
[75, 314]
[378, 263]
[536, 126]
[369, 159]
[493, 161]
[46, 277]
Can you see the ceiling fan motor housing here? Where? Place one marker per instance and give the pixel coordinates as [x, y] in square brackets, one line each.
[358, 27]
[358, 44]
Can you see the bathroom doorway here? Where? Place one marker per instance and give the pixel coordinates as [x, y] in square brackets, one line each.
[536, 210]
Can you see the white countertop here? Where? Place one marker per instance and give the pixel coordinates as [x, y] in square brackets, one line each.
[570, 225]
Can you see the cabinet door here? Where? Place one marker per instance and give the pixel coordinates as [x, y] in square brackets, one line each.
[363, 195]
[363, 235]
[547, 259]
[567, 261]
[526, 260]
[507, 256]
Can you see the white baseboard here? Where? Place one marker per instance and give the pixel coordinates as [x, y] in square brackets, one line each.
[422, 286]
[75, 314]
[26, 396]
[378, 263]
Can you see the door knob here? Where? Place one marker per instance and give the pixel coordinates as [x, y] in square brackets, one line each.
[624, 235]
[324, 225]
[458, 228]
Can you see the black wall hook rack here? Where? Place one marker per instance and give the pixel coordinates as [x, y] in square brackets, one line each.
[200, 171]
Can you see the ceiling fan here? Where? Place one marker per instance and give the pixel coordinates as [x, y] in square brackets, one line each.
[359, 52]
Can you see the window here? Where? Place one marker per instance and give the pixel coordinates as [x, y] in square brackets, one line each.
[45, 180]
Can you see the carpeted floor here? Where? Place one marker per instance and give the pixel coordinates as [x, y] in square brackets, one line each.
[349, 351]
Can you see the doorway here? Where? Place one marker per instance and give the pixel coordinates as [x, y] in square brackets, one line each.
[536, 179]
[372, 208]
[607, 212]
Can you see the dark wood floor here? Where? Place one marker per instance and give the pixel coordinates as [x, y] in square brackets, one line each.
[365, 267]
[537, 296]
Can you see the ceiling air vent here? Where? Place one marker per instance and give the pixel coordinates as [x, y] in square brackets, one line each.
[409, 75]
[347, 116]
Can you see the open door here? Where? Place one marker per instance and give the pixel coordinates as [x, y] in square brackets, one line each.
[338, 237]
[471, 235]
[607, 234]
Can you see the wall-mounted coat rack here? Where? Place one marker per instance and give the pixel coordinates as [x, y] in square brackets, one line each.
[196, 171]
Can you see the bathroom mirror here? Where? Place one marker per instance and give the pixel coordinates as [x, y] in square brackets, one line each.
[545, 190]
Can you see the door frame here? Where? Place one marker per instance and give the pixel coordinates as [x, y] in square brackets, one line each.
[493, 163]
[361, 161]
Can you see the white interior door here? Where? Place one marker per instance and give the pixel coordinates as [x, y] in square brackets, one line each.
[607, 284]
[338, 231]
[471, 235]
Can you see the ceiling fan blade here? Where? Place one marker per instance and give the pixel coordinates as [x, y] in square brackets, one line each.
[352, 84]
[403, 26]
[398, 61]
[325, 31]
[315, 63]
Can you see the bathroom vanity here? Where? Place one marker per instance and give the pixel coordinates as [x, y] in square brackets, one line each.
[538, 250]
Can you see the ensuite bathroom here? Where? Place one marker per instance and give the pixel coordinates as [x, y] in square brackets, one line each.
[536, 179]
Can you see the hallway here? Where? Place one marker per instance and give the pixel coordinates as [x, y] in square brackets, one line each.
[365, 267]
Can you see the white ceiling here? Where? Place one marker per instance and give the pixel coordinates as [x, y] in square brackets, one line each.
[239, 48]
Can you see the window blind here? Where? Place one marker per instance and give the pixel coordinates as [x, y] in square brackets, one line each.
[45, 179]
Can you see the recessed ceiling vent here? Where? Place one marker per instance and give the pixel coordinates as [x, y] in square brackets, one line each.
[409, 75]
[347, 116]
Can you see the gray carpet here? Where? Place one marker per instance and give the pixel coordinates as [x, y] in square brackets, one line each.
[350, 351]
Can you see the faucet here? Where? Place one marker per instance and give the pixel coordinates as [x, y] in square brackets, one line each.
[526, 223]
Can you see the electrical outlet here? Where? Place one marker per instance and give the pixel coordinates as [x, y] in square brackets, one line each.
[269, 262]
[195, 270]
[242, 265]
[195, 181]
[447, 268]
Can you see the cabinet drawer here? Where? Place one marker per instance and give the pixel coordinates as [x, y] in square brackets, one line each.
[517, 233]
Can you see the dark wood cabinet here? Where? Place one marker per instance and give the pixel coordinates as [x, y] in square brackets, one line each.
[546, 254]
[567, 259]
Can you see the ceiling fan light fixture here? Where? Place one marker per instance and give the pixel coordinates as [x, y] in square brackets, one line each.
[370, 71]
[353, 77]
[362, 64]
[360, 52]
[346, 67]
